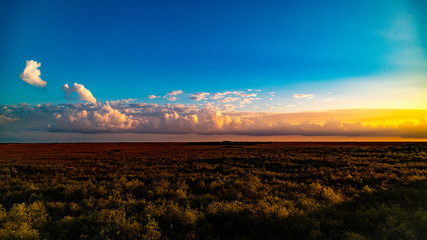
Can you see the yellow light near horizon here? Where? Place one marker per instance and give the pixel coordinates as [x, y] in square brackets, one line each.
[367, 116]
[394, 117]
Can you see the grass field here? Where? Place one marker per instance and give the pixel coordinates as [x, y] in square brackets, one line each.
[227, 190]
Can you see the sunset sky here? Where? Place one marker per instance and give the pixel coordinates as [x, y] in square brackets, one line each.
[75, 71]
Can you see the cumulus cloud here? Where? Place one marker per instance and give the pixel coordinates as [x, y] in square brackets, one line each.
[174, 119]
[132, 117]
[217, 96]
[82, 92]
[171, 96]
[101, 119]
[246, 95]
[303, 96]
[175, 92]
[228, 99]
[153, 97]
[199, 96]
[235, 93]
[31, 74]
[233, 96]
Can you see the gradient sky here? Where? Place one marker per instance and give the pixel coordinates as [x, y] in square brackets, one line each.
[259, 64]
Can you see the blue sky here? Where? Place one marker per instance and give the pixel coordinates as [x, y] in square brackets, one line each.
[158, 46]
[336, 54]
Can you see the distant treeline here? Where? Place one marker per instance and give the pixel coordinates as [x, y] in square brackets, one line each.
[226, 143]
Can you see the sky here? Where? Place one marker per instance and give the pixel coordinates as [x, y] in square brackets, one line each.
[75, 71]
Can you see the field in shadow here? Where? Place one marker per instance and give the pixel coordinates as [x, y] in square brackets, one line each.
[397, 213]
[222, 190]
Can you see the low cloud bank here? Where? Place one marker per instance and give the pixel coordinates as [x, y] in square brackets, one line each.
[132, 117]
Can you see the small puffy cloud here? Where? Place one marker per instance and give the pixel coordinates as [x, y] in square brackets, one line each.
[175, 92]
[171, 96]
[31, 74]
[242, 94]
[247, 95]
[245, 101]
[153, 97]
[199, 96]
[217, 96]
[303, 96]
[228, 99]
[84, 94]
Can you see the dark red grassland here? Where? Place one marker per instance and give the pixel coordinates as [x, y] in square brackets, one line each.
[216, 190]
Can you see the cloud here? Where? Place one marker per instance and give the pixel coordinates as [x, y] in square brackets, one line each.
[245, 101]
[101, 119]
[153, 97]
[131, 117]
[171, 96]
[31, 74]
[5, 119]
[83, 93]
[228, 99]
[303, 96]
[235, 93]
[217, 96]
[199, 96]
[175, 92]
[241, 94]
[172, 120]
[245, 98]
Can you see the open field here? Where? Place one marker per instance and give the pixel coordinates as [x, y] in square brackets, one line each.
[223, 190]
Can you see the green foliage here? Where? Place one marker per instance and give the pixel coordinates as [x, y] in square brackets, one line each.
[228, 191]
[22, 221]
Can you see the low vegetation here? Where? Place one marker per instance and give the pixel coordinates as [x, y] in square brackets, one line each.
[213, 191]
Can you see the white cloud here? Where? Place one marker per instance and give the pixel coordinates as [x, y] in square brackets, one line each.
[303, 96]
[175, 92]
[189, 119]
[171, 96]
[199, 96]
[153, 97]
[217, 96]
[83, 93]
[31, 74]
[228, 99]
[100, 119]
[246, 97]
